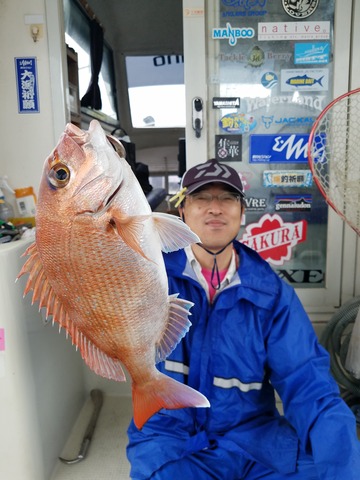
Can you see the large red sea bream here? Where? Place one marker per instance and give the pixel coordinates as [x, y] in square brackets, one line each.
[97, 268]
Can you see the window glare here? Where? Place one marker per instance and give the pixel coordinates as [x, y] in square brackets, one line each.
[159, 106]
[156, 91]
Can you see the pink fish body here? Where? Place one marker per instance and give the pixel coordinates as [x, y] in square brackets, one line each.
[97, 268]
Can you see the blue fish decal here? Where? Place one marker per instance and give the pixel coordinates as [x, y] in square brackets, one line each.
[304, 81]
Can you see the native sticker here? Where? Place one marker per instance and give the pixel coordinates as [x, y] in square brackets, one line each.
[273, 238]
[293, 31]
[237, 123]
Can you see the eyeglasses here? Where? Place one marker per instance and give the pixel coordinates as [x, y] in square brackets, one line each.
[204, 199]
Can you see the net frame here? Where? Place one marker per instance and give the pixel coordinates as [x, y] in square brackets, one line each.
[334, 156]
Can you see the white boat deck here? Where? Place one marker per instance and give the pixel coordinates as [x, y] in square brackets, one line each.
[106, 455]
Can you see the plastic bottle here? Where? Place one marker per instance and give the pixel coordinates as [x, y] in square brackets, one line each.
[26, 201]
[6, 209]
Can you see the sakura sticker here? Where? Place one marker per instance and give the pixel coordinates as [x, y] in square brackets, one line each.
[273, 238]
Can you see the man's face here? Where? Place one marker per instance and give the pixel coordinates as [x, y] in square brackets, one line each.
[217, 221]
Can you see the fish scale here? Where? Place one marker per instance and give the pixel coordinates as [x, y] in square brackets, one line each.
[97, 267]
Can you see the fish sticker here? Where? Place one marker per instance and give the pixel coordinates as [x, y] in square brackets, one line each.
[305, 80]
[96, 267]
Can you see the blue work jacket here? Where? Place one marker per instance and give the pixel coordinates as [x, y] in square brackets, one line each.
[254, 339]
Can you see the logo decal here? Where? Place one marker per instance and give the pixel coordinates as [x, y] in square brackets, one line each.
[313, 79]
[312, 53]
[269, 80]
[226, 102]
[228, 147]
[287, 178]
[300, 8]
[283, 148]
[237, 123]
[274, 239]
[232, 34]
[268, 120]
[293, 30]
[256, 57]
[220, 171]
[316, 102]
[292, 203]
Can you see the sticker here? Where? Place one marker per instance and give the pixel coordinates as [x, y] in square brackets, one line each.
[305, 80]
[300, 8]
[254, 204]
[283, 148]
[293, 203]
[193, 12]
[246, 179]
[287, 178]
[228, 147]
[254, 8]
[2, 339]
[269, 80]
[298, 276]
[312, 53]
[232, 34]
[237, 123]
[293, 31]
[238, 57]
[314, 102]
[27, 85]
[226, 102]
[273, 238]
[256, 57]
[269, 120]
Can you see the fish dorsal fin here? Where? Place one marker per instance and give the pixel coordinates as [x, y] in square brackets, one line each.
[130, 230]
[173, 232]
[43, 293]
[176, 328]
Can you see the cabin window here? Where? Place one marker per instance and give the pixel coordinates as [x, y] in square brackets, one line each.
[77, 36]
[165, 180]
[156, 91]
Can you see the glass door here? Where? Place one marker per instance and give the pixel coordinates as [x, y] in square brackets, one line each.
[270, 68]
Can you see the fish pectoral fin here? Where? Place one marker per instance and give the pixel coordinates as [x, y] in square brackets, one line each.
[130, 230]
[176, 328]
[173, 232]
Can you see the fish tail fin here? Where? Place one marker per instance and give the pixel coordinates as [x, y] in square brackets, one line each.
[163, 392]
[319, 81]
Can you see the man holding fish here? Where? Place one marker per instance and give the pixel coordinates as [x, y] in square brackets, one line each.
[250, 337]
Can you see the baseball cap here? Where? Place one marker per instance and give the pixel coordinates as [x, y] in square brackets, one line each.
[208, 172]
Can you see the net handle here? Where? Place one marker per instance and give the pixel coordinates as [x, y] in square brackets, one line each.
[309, 153]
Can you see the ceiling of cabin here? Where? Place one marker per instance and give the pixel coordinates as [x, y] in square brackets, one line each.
[146, 26]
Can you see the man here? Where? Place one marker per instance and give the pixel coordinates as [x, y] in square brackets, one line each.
[250, 337]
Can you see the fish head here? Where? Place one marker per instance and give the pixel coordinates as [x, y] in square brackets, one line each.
[84, 173]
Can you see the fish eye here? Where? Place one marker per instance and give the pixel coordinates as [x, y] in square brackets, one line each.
[59, 175]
